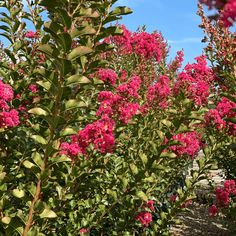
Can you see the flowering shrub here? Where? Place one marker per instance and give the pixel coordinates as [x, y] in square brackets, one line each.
[227, 10]
[108, 127]
[8, 117]
[225, 200]
[220, 118]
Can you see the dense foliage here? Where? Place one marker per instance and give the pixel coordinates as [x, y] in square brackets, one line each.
[97, 129]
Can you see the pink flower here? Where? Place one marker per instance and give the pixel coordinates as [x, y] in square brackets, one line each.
[131, 88]
[83, 231]
[127, 111]
[30, 34]
[72, 149]
[228, 15]
[173, 198]
[229, 185]
[6, 92]
[3, 105]
[107, 75]
[157, 94]
[33, 88]
[9, 118]
[145, 218]
[222, 197]
[190, 144]
[150, 204]
[100, 134]
[148, 45]
[213, 210]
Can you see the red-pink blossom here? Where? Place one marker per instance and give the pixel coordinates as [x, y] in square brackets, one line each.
[33, 88]
[222, 197]
[145, 218]
[157, 94]
[9, 118]
[6, 92]
[228, 15]
[173, 198]
[190, 144]
[131, 88]
[127, 111]
[150, 205]
[31, 34]
[83, 231]
[213, 210]
[107, 75]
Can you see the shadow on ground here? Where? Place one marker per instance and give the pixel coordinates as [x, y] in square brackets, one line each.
[196, 222]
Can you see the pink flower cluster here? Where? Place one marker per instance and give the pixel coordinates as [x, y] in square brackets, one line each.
[99, 134]
[195, 81]
[218, 116]
[157, 94]
[118, 104]
[228, 15]
[107, 75]
[31, 34]
[112, 106]
[8, 117]
[149, 46]
[145, 217]
[33, 88]
[190, 144]
[177, 62]
[213, 210]
[223, 196]
[227, 10]
[84, 231]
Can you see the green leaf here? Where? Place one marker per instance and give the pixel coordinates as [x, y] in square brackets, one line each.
[39, 139]
[88, 12]
[38, 111]
[48, 214]
[134, 169]
[37, 159]
[6, 220]
[27, 164]
[143, 158]
[78, 52]
[65, 17]
[18, 193]
[168, 154]
[122, 10]
[142, 195]
[188, 183]
[44, 84]
[65, 41]
[60, 159]
[11, 55]
[78, 79]
[67, 131]
[85, 30]
[49, 50]
[73, 103]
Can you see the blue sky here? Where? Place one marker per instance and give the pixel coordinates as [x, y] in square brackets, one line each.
[176, 19]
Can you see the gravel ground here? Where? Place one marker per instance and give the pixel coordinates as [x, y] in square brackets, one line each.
[196, 221]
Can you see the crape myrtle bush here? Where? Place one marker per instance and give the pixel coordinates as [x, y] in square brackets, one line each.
[222, 55]
[226, 10]
[97, 129]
